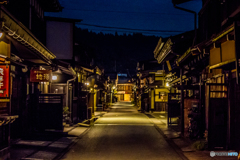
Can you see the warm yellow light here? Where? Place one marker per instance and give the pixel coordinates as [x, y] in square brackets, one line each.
[87, 83]
[54, 77]
[167, 84]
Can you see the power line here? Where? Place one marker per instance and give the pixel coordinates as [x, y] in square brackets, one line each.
[131, 29]
[149, 33]
[173, 14]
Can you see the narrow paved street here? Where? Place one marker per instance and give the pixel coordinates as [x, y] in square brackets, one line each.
[122, 134]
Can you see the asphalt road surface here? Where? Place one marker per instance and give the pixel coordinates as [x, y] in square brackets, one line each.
[122, 134]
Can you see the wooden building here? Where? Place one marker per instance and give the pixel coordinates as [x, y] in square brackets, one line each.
[152, 92]
[207, 75]
[166, 53]
[26, 65]
[124, 88]
[219, 39]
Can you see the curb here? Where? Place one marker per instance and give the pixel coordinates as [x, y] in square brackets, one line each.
[171, 143]
[83, 124]
[67, 149]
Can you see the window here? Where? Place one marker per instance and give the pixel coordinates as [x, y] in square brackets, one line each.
[163, 96]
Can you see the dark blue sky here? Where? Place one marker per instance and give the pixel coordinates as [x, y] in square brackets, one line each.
[146, 15]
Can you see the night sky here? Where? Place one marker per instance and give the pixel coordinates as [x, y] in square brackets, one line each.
[149, 17]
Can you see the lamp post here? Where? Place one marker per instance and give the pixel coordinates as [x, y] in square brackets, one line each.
[175, 2]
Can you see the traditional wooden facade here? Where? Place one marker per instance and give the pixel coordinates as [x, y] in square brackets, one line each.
[23, 59]
[33, 83]
[166, 53]
[218, 52]
[124, 88]
[206, 75]
[152, 89]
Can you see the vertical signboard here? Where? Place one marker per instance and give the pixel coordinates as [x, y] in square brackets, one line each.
[169, 65]
[4, 81]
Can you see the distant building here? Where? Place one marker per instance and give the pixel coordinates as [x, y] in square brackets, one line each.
[124, 88]
[152, 92]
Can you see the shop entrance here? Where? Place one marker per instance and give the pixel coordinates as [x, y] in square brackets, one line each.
[217, 114]
[127, 97]
[48, 105]
[173, 108]
[120, 97]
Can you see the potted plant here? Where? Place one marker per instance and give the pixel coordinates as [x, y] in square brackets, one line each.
[66, 115]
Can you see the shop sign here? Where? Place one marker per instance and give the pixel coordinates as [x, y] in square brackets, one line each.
[37, 75]
[121, 92]
[4, 81]
[160, 72]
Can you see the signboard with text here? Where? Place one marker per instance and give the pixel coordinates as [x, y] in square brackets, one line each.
[4, 81]
[37, 75]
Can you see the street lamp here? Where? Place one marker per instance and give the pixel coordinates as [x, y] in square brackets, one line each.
[87, 84]
[2, 34]
[54, 77]
[167, 84]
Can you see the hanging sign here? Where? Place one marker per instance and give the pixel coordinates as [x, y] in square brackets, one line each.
[121, 92]
[4, 81]
[169, 65]
[128, 92]
[37, 75]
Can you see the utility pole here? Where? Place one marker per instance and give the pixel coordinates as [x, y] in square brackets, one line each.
[190, 11]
